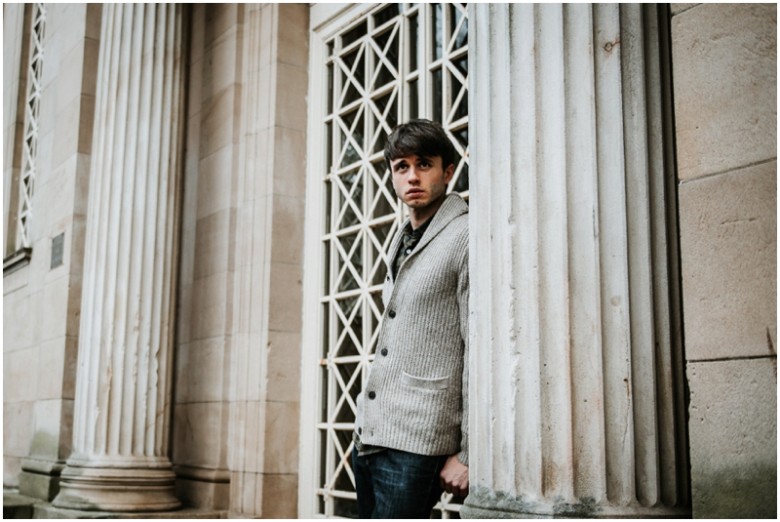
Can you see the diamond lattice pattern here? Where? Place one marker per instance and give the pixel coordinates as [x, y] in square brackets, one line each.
[30, 143]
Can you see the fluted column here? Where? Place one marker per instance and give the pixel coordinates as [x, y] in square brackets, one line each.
[123, 391]
[576, 373]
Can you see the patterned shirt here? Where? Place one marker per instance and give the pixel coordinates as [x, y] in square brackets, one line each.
[409, 240]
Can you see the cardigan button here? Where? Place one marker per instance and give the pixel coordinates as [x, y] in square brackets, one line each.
[384, 351]
[360, 431]
[391, 314]
[371, 395]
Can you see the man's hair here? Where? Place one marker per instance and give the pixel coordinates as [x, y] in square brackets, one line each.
[421, 138]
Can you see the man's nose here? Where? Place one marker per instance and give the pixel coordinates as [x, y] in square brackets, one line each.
[413, 174]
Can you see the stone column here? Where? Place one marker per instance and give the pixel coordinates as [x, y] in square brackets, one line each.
[576, 373]
[123, 391]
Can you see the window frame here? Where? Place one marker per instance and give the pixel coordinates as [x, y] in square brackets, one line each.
[23, 168]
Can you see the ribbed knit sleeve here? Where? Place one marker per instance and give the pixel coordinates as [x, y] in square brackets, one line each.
[463, 309]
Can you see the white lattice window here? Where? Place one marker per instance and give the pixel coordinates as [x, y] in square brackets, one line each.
[30, 136]
[373, 67]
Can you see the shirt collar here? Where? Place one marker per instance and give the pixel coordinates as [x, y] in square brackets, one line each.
[418, 232]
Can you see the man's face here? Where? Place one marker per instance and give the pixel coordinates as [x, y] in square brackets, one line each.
[420, 180]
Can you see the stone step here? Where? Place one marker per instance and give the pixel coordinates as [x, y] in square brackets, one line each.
[20, 506]
[17, 506]
[47, 511]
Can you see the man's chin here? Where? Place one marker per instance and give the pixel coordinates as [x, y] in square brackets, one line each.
[417, 203]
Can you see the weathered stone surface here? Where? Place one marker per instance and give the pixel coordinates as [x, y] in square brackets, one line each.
[280, 495]
[284, 361]
[212, 245]
[18, 384]
[679, 8]
[16, 505]
[39, 485]
[290, 144]
[203, 494]
[733, 438]
[200, 367]
[16, 442]
[573, 364]
[728, 245]
[281, 438]
[287, 234]
[285, 294]
[200, 434]
[210, 306]
[48, 511]
[295, 19]
[484, 503]
[725, 64]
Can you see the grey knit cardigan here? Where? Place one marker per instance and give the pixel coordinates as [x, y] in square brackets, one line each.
[415, 398]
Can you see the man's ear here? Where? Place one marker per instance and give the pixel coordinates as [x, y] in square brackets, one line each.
[449, 173]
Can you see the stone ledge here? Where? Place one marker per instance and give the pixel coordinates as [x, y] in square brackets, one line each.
[485, 503]
[46, 510]
[16, 260]
[16, 505]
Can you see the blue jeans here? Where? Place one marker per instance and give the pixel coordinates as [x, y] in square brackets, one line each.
[397, 484]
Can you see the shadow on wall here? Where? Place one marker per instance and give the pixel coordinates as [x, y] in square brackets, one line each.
[731, 493]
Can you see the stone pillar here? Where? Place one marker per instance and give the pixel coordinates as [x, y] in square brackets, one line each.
[576, 351]
[123, 391]
[266, 327]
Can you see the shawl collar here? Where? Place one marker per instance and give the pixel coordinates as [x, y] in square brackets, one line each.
[452, 207]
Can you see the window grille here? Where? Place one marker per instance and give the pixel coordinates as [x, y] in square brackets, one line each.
[393, 63]
[30, 137]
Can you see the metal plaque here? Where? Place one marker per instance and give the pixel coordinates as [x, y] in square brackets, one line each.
[57, 250]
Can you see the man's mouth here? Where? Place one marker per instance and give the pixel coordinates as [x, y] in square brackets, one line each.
[414, 192]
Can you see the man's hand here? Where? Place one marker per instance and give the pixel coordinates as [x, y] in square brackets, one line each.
[454, 477]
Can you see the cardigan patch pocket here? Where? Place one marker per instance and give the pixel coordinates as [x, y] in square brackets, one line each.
[436, 383]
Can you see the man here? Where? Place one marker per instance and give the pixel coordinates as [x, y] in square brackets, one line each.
[412, 422]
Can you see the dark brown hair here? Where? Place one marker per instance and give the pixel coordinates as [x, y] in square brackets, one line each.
[421, 138]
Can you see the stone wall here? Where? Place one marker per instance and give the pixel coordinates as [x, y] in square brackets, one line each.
[205, 278]
[725, 87]
[42, 299]
[239, 321]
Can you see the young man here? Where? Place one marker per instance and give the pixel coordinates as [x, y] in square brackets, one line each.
[411, 428]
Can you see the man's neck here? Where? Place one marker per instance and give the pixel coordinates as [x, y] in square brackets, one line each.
[418, 216]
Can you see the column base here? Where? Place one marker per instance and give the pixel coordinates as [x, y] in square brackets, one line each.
[485, 503]
[40, 478]
[203, 488]
[120, 489]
